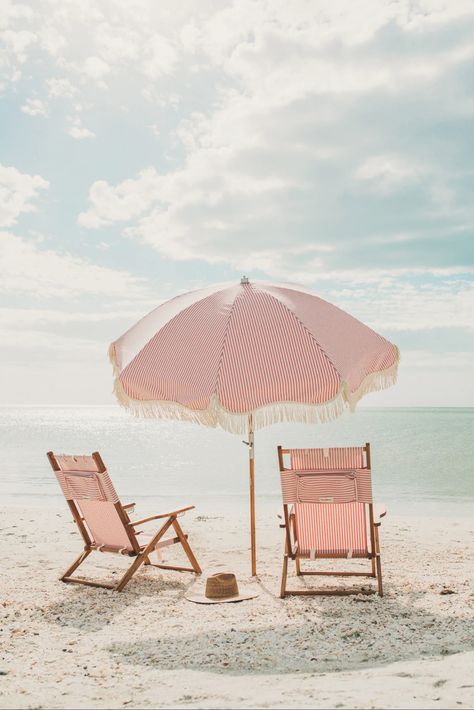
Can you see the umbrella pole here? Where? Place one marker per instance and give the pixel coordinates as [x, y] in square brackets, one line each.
[253, 544]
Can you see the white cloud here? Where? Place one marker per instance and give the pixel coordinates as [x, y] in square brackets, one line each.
[282, 154]
[407, 305]
[95, 68]
[61, 87]
[79, 133]
[35, 107]
[160, 57]
[18, 43]
[43, 318]
[25, 267]
[17, 190]
[129, 199]
[386, 172]
[77, 130]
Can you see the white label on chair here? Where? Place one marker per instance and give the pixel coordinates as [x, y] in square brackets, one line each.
[349, 554]
[312, 554]
[326, 500]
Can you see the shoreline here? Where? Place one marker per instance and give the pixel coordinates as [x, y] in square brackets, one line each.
[269, 505]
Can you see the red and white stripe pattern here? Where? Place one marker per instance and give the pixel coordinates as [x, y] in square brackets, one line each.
[329, 501]
[104, 524]
[95, 496]
[335, 530]
[80, 480]
[217, 355]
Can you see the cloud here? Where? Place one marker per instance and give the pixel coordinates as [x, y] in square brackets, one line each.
[35, 107]
[76, 130]
[61, 87]
[39, 318]
[17, 190]
[160, 57]
[26, 267]
[409, 304]
[387, 172]
[95, 68]
[129, 199]
[312, 141]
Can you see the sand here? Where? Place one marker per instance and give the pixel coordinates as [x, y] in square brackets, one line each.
[69, 646]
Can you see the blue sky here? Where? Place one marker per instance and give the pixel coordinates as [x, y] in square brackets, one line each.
[148, 148]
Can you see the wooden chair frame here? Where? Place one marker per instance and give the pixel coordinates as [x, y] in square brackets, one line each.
[291, 547]
[139, 552]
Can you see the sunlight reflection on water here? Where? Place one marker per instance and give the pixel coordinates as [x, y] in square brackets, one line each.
[419, 455]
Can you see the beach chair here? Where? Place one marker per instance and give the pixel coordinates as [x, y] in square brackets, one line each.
[104, 522]
[329, 513]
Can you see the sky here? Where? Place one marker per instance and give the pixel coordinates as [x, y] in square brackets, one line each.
[148, 148]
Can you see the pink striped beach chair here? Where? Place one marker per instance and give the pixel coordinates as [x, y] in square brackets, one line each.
[104, 522]
[329, 513]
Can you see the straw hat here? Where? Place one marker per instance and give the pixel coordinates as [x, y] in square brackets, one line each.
[222, 587]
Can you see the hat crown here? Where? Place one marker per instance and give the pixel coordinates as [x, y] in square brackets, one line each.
[222, 585]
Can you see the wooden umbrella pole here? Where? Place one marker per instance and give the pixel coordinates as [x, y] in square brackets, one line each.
[253, 543]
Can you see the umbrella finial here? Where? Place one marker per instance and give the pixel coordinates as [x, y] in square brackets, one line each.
[244, 280]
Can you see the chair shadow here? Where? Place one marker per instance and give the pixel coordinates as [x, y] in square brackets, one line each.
[325, 635]
[93, 608]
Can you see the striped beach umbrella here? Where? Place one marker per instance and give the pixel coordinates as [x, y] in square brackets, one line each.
[246, 355]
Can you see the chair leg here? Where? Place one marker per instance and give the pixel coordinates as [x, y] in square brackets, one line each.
[186, 547]
[378, 562]
[374, 573]
[85, 553]
[379, 576]
[293, 526]
[140, 559]
[284, 571]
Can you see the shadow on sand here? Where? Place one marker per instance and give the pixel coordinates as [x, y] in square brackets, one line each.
[323, 635]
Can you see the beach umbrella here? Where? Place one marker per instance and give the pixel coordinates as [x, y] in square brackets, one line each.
[245, 355]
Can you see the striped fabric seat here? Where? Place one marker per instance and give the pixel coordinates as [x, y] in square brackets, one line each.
[329, 489]
[331, 530]
[95, 496]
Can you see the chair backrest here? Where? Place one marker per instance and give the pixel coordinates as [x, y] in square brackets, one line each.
[92, 498]
[331, 493]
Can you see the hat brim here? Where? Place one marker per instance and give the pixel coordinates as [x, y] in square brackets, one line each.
[242, 596]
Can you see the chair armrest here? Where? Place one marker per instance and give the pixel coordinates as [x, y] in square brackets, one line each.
[173, 513]
[380, 511]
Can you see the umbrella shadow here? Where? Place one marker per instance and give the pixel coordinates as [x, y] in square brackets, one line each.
[329, 635]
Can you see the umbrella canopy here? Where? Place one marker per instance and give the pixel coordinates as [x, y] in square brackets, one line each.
[276, 352]
[246, 355]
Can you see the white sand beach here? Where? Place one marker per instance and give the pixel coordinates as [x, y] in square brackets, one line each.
[67, 646]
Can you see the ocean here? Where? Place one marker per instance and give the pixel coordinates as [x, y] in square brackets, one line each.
[422, 458]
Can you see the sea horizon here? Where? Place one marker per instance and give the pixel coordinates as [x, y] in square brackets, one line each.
[420, 461]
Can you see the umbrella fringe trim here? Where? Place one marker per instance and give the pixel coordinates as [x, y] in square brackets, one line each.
[217, 416]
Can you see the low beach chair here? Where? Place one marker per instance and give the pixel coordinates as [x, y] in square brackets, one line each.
[104, 522]
[329, 513]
